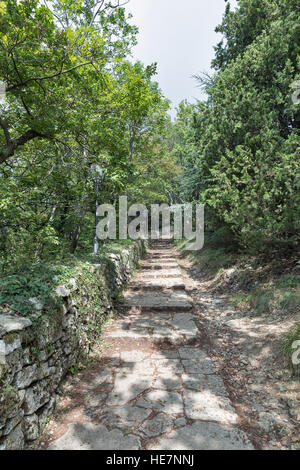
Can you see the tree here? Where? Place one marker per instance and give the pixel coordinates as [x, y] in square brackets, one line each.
[248, 130]
[49, 58]
[73, 100]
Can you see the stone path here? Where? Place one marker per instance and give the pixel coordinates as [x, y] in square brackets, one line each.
[157, 389]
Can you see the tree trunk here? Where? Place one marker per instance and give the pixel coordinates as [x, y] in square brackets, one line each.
[77, 232]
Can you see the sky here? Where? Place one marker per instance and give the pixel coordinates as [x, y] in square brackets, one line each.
[178, 35]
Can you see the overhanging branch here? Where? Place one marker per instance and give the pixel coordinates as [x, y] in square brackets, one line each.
[46, 77]
[12, 144]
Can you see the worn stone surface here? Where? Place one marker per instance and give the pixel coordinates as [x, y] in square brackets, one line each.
[168, 402]
[157, 283]
[159, 300]
[203, 436]
[126, 417]
[209, 382]
[208, 406]
[8, 347]
[156, 391]
[87, 436]
[128, 386]
[12, 423]
[160, 273]
[160, 424]
[35, 397]
[172, 326]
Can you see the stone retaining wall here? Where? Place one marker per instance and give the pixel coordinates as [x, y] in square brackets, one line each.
[35, 356]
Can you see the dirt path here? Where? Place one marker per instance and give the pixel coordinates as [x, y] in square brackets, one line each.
[246, 350]
[154, 386]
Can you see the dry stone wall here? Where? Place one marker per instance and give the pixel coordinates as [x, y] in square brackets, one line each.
[35, 356]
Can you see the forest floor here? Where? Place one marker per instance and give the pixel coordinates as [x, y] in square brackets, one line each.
[181, 367]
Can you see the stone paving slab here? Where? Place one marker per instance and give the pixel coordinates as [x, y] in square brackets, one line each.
[128, 386]
[158, 267]
[157, 284]
[160, 273]
[160, 260]
[185, 324]
[208, 406]
[174, 300]
[203, 436]
[161, 255]
[125, 417]
[170, 403]
[199, 382]
[158, 326]
[159, 424]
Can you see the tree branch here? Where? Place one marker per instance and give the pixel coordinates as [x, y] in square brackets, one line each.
[5, 130]
[47, 77]
[12, 145]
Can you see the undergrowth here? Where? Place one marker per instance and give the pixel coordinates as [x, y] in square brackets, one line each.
[265, 283]
[40, 280]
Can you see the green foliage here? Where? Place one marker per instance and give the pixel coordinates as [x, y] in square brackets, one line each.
[242, 145]
[281, 295]
[40, 281]
[73, 99]
[294, 335]
[9, 399]
[287, 346]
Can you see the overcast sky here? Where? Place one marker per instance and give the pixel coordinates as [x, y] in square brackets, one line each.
[180, 36]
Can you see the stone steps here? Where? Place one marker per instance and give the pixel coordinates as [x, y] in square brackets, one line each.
[175, 301]
[155, 266]
[155, 381]
[157, 284]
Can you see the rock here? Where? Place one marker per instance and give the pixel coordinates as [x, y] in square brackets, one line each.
[26, 376]
[180, 422]
[112, 256]
[21, 394]
[9, 323]
[126, 416]
[230, 274]
[7, 347]
[168, 402]
[36, 303]
[266, 421]
[128, 386]
[72, 285]
[62, 291]
[15, 440]
[33, 365]
[46, 411]
[64, 309]
[35, 397]
[45, 371]
[26, 357]
[31, 427]
[12, 423]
